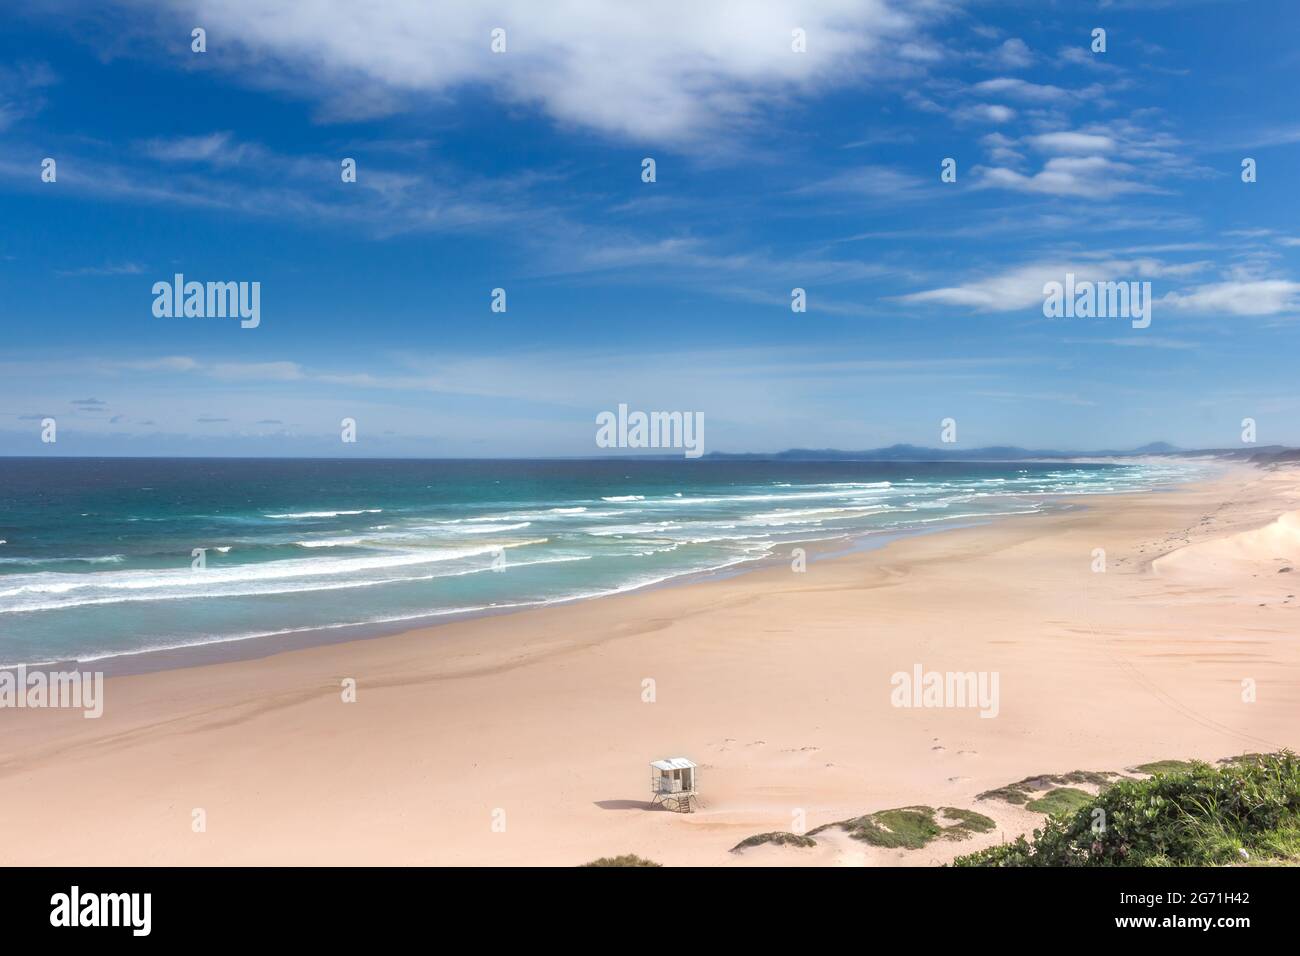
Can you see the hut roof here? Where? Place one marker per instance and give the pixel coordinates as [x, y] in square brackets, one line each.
[672, 763]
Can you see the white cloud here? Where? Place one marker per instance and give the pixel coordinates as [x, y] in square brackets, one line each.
[1038, 93]
[1090, 176]
[984, 113]
[1013, 54]
[1072, 143]
[21, 88]
[219, 149]
[1001, 149]
[876, 182]
[1258, 297]
[1139, 341]
[168, 363]
[1022, 286]
[108, 269]
[258, 371]
[1064, 398]
[669, 70]
[1015, 288]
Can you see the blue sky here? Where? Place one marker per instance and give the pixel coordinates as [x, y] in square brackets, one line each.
[522, 170]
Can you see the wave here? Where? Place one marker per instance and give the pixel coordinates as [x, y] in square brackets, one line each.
[104, 559]
[34, 592]
[615, 530]
[326, 514]
[333, 542]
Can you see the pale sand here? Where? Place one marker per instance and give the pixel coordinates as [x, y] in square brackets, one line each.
[778, 683]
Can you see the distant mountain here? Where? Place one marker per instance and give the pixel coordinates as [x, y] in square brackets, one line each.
[1157, 448]
[1003, 453]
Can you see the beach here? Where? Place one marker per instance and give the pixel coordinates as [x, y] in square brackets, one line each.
[525, 738]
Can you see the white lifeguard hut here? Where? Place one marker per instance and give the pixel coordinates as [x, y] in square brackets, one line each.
[673, 783]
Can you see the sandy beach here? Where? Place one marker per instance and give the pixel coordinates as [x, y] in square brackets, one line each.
[525, 738]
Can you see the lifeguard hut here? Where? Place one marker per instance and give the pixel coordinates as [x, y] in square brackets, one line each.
[673, 782]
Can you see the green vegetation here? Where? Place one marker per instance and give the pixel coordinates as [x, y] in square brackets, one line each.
[967, 822]
[912, 827]
[627, 859]
[1245, 758]
[1011, 793]
[1165, 766]
[1247, 809]
[1022, 792]
[1060, 800]
[776, 837]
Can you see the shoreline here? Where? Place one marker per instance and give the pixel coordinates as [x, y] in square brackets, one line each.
[776, 683]
[260, 646]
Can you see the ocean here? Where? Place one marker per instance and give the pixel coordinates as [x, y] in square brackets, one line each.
[98, 556]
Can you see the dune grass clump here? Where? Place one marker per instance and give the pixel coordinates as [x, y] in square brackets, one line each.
[1245, 758]
[1022, 792]
[967, 822]
[776, 838]
[1060, 800]
[1165, 766]
[1015, 793]
[627, 859]
[1243, 811]
[911, 828]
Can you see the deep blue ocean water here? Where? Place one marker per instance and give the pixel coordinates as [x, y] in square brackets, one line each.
[96, 555]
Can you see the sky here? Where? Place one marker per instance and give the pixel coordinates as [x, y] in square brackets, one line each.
[523, 170]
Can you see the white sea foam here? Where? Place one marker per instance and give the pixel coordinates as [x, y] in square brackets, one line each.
[103, 559]
[48, 591]
[326, 514]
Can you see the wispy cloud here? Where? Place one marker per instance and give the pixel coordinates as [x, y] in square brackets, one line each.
[1022, 286]
[1244, 298]
[219, 149]
[109, 269]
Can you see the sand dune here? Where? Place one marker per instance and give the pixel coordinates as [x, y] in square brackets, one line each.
[1266, 550]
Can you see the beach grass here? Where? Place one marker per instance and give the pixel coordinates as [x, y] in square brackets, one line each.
[1022, 792]
[1165, 766]
[1242, 812]
[1060, 800]
[627, 859]
[775, 838]
[912, 828]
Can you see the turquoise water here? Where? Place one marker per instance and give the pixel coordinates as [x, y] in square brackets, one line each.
[97, 554]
